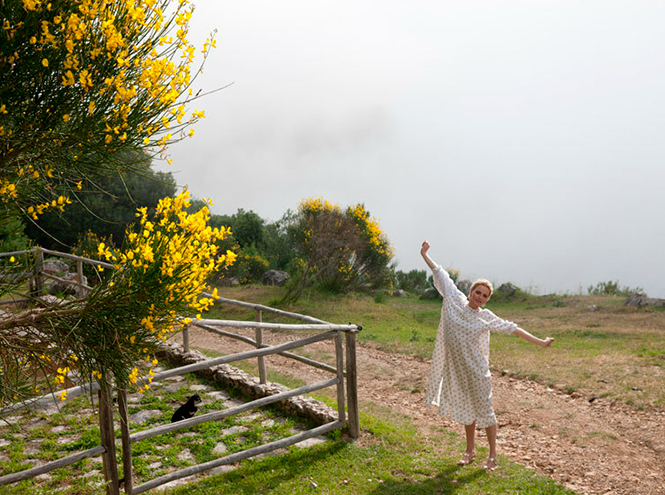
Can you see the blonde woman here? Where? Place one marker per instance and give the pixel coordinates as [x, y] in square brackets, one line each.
[460, 382]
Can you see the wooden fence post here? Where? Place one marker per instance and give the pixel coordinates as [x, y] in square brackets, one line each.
[39, 267]
[258, 334]
[127, 470]
[80, 291]
[352, 385]
[185, 338]
[107, 437]
[339, 354]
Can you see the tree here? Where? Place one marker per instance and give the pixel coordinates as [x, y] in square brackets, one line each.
[81, 82]
[248, 228]
[106, 208]
[341, 250]
[83, 85]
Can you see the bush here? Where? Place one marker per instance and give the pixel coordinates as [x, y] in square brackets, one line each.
[342, 250]
[414, 281]
[612, 288]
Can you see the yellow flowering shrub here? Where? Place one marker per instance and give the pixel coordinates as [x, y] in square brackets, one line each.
[154, 290]
[344, 249]
[83, 81]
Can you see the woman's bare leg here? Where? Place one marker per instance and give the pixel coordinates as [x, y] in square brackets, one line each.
[470, 453]
[491, 438]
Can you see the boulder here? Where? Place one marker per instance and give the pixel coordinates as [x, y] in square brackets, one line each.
[399, 293]
[430, 294]
[507, 289]
[67, 286]
[229, 282]
[464, 286]
[275, 277]
[56, 266]
[639, 300]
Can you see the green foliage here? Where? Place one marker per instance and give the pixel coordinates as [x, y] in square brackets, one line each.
[248, 267]
[87, 247]
[612, 288]
[414, 281]
[106, 206]
[343, 250]
[12, 235]
[248, 228]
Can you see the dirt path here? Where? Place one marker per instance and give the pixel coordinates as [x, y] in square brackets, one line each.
[596, 447]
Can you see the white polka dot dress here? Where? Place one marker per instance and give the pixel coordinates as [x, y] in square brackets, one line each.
[460, 382]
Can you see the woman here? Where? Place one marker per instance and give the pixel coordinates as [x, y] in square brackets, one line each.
[460, 382]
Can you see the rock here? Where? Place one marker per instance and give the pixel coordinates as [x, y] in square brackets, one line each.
[229, 282]
[50, 300]
[275, 277]
[507, 289]
[220, 449]
[66, 287]
[223, 469]
[399, 293]
[640, 300]
[56, 266]
[430, 294]
[144, 415]
[233, 430]
[464, 286]
[637, 299]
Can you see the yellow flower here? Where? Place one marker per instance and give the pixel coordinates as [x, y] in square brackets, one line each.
[65, 117]
[45, 62]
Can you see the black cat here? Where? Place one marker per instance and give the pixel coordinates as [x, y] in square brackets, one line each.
[187, 410]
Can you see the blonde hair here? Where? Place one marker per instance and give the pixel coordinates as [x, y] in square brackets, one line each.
[482, 281]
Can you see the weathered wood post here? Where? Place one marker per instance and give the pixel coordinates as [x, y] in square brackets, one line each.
[127, 470]
[352, 385]
[39, 268]
[107, 437]
[258, 334]
[185, 338]
[80, 291]
[339, 354]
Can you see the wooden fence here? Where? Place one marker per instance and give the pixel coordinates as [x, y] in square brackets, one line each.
[344, 373]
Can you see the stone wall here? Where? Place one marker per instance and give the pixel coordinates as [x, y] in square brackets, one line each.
[248, 385]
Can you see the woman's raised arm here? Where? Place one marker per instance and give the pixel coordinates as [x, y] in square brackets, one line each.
[423, 253]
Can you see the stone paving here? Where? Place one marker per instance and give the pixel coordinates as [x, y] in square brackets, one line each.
[37, 437]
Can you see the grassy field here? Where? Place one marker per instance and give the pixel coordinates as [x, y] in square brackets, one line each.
[601, 347]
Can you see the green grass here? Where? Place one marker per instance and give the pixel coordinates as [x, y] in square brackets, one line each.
[601, 347]
[392, 458]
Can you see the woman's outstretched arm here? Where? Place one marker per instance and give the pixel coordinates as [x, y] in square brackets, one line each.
[523, 334]
[428, 260]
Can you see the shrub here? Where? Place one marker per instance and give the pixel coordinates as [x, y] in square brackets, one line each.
[342, 249]
[612, 288]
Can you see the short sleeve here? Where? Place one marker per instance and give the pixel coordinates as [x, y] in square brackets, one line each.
[444, 284]
[498, 325]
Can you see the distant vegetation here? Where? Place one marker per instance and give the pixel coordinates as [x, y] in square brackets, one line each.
[612, 288]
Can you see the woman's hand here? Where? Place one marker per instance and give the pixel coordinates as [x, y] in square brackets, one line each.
[424, 248]
[547, 342]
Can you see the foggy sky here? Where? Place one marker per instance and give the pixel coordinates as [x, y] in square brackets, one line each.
[522, 139]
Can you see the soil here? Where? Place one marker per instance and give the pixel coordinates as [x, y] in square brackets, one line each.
[593, 446]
